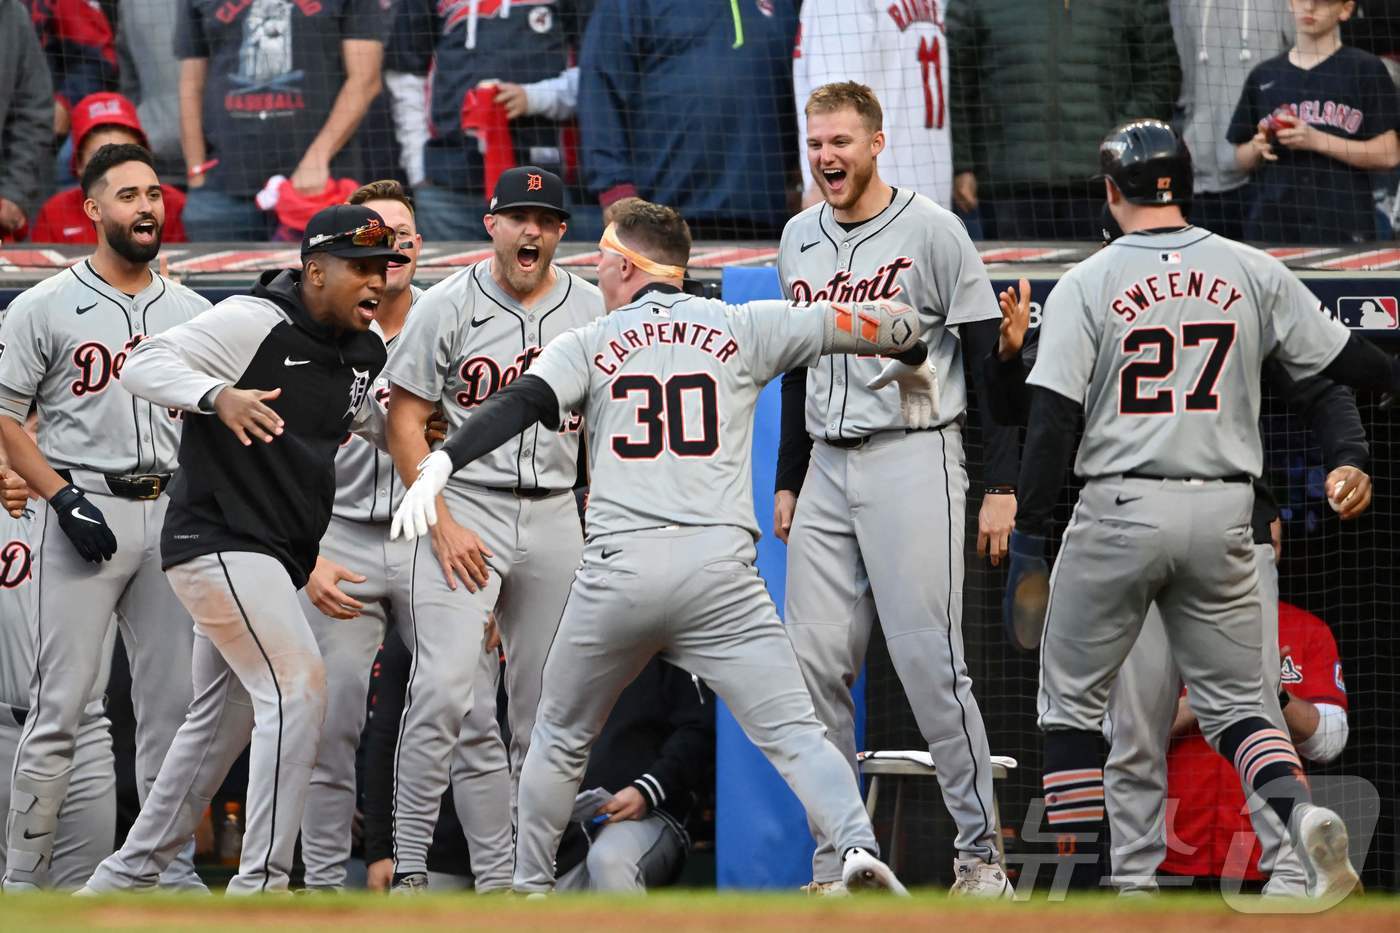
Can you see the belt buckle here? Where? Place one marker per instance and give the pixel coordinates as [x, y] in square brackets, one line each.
[150, 480]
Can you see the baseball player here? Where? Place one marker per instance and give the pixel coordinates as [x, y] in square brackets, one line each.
[1143, 700]
[508, 534]
[855, 551]
[287, 370]
[668, 383]
[1173, 321]
[87, 820]
[102, 464]
[348, 601]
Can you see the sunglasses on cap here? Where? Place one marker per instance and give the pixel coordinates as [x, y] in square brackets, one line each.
[371, 234]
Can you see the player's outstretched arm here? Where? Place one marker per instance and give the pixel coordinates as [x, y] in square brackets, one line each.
[501, 417]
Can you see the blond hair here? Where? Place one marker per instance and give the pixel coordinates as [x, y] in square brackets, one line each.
[842, 94]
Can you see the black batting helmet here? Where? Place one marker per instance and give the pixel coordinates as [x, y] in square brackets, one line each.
[1147, 162]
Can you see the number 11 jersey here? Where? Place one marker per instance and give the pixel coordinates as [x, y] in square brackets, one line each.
[667, 385]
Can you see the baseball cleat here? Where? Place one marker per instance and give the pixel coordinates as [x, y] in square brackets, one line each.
[415, 882]
[825, 889]
[862, 871]
[979, 878]
[1320, 839]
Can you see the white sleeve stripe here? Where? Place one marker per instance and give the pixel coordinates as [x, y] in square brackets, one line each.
[646, 789]
[660, 791]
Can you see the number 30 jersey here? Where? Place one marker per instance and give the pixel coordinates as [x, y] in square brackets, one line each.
[1161, 337]
[668, 385]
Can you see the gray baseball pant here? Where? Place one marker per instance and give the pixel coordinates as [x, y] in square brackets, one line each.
[693, 596]
[87, 819]
[1188, 546]
[74, 605]
[1142, 705]
[258, 674]
[536, 543]
[628, 858]
[879, 532]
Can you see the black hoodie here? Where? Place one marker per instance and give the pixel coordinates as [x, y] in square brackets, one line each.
[272, 498]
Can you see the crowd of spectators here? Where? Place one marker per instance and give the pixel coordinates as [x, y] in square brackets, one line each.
[260, 110]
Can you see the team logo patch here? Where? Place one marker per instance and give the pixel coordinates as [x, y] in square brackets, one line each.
[359, 388]
[1381, 312]
[1337, 677]
[540, 19]
[1292, 673]
[534, 182]
[765, 7]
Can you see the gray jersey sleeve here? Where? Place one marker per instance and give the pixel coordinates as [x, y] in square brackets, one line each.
[24, 352]
[1068, 345]
[422, 356]
[775, 336]
[1304, 339]
[959, 275]
[179, 367]
[564, 364]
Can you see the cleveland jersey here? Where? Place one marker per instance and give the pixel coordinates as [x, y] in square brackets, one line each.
[467, 339]
[1161, 337]
[63, 344]
[367, 488]
[898, 48]
[667, 385]
[914, 252]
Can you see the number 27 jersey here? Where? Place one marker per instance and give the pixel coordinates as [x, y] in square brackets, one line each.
[1162, 337]
[668, 386]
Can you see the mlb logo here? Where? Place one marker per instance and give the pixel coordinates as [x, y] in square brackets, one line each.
[1170, 259]
[1376, 313]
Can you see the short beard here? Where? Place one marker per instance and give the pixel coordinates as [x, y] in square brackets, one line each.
[856, 184]
[523, 283]
[119, 239]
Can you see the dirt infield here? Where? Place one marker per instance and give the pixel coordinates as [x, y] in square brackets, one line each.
[671, 913]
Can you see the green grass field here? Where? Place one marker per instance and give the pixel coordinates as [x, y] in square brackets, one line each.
[672, 912]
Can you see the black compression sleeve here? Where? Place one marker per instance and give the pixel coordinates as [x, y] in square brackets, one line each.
[503, 416]
[1001, 441]
[794, 443]
[1363, 365]
[1049, 445]
[1330, 412]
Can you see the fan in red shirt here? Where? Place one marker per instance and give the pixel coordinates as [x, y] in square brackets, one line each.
[1210, 806]
[99, 119]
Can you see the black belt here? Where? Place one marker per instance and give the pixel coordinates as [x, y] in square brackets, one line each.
[852, 443]
[520, 492]
[1233, 478]
[132, 485]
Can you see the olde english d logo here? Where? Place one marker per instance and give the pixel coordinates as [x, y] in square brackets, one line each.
[359, 388]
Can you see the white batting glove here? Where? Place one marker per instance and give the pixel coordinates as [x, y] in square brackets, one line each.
[918, 391]
[418, 511]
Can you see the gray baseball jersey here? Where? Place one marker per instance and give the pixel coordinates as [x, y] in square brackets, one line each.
[675, 378]
[913, 251]
[16, 577]
[468, 338]
[63, 344]
[367, 488]
[1176, 325]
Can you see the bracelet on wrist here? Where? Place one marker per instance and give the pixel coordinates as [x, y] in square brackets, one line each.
[1000, 489]
[1283, 697]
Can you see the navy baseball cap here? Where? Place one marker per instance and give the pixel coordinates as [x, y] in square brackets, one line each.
[352, 231]
[528, 186]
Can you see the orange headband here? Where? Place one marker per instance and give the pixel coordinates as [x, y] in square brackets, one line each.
[610, 243]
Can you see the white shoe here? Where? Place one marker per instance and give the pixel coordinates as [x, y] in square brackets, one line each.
[979, 878]
[825, 889]
[19, 887]
[537, 896]
[1320, 839]
[86, 891]
[862, 871]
